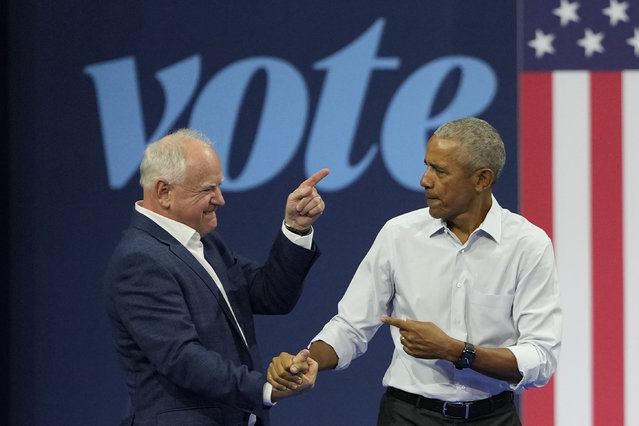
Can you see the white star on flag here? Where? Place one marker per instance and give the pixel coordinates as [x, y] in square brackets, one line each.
[542, 43]
[634, 42]
[616, 12]
[591, 42]
[567, 12]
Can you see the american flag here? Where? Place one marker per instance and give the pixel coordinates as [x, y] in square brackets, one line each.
[579, 145]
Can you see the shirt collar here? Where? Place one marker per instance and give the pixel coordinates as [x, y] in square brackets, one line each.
[492, 222]
[491, 226]
[181, 232]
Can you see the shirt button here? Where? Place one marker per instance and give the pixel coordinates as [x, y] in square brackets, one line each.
[463, 250]
[458, 285]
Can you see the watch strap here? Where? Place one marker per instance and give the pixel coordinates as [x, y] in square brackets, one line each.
[298, 231]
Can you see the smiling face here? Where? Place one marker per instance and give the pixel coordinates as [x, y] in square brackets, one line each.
[449, 187]
[194, 202]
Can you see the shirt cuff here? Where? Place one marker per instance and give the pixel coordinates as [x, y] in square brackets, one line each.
[305, 241]
[267, 390]
[528, 365]
[343, 349]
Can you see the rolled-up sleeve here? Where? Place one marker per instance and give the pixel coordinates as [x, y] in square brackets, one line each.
[538, 319]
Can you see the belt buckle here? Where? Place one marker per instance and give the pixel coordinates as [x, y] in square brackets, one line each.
[456, 405]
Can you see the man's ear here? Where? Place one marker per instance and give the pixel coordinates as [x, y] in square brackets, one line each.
[484, 179]
[162, 193]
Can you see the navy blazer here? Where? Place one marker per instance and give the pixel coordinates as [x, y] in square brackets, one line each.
[184, 358]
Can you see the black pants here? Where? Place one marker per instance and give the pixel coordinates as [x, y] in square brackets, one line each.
[394, 412]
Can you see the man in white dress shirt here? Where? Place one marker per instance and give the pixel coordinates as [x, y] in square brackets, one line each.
[469, 289]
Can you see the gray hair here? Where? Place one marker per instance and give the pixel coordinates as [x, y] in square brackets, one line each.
[164, 159]
[481, 142]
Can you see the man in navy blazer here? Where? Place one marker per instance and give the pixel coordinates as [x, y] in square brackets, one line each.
[181, 302]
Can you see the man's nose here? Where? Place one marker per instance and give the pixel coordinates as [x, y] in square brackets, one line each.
[426, 181]
[217, 198]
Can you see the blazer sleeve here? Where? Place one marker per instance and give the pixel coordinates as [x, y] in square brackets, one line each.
[272, 287]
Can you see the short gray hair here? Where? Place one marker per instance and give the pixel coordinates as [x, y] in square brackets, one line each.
[482, 144]
[164, 159]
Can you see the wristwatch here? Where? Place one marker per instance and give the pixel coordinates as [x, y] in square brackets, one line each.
[298, 231]
[467, 356]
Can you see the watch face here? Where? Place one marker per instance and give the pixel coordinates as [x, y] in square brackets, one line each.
[467, 356]
[466, 360]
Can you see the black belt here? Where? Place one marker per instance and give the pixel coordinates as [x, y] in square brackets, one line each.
[454, 410]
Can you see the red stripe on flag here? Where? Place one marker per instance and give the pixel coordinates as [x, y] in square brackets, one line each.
[607, 248]
[535, 199]
[535, 150]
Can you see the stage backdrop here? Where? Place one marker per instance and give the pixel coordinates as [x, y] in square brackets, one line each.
[284, 88]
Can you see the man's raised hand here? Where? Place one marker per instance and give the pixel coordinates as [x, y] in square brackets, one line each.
[305, 205]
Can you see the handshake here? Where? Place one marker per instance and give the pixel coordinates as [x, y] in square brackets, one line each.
[292, 374]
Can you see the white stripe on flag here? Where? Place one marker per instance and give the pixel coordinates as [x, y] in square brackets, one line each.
[630, 82]
[571, 230]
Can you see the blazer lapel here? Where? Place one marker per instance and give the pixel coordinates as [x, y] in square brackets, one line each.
[221, 271]
[213, 257]
[144, 223]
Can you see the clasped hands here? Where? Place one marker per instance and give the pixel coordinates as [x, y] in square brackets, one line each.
[284, 382]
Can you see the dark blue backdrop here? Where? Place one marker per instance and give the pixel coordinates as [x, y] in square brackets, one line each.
[284, 88]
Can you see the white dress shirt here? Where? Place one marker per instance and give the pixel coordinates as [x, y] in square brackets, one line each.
[191, 239]
[497, 290]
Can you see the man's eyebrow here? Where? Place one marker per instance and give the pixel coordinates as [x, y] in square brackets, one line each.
[433, 165]
[212, 185]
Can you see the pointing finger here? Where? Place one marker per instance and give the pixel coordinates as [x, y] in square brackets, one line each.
[314, 180]
[395, 322]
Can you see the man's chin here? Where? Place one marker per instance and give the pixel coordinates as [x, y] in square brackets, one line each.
[434, 212]
[207, 230]
[210, 224]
